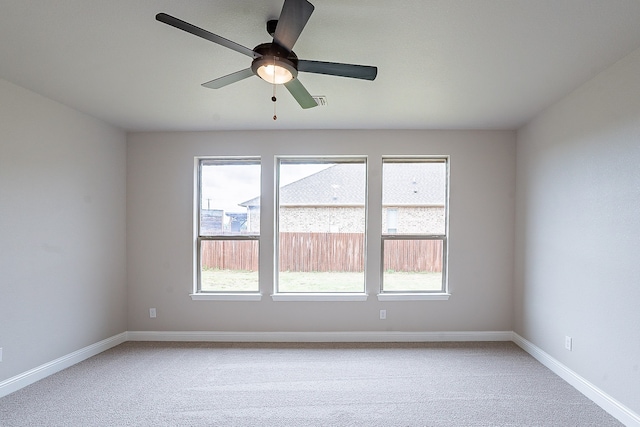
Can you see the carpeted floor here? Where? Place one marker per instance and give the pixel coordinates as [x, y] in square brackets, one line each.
[223, 384]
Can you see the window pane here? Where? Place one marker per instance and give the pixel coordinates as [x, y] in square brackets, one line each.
[230, 198]
[229, 265]
[412, 265]
[229, 211]
[413, 197]
[321, 222]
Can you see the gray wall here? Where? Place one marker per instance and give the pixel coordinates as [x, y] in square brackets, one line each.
[62, 228]
[160, 186]
[578, 231]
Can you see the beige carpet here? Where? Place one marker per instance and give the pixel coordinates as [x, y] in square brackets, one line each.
[213, 384]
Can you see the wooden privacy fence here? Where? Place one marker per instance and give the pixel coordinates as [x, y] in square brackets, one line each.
[413, 255]
[322, 252]
[229, 254]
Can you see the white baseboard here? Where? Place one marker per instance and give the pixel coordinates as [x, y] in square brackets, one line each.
[602, 399]
[31, 376]
[378, 336]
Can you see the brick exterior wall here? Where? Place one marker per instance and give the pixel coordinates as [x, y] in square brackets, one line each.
[324, 219]
[412, 220]
[253, 218]
[313, 219]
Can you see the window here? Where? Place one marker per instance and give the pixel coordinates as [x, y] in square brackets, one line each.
[414, 224]
[320, 225]
[319, 244]
[392, 220]
[228, 225]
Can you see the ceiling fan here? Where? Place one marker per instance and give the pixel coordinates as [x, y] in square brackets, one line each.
[275, 62]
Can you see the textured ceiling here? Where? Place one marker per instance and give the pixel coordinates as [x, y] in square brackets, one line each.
[448, 64]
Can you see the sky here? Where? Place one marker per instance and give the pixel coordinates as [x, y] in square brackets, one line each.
[224, 186]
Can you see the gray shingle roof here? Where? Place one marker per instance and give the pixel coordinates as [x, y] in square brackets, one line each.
[341, 184]
[344, 184]
[414, 184]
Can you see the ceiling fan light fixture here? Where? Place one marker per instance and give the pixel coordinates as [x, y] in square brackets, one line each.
[274, 70]
[275, 74]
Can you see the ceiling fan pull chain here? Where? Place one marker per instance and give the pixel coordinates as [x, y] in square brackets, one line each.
[274, 99]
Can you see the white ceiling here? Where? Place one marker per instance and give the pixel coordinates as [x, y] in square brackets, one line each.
[442, 64]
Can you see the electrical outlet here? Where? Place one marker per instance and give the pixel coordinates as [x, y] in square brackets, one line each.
[383, 314]
[568, 343]
[152, 313]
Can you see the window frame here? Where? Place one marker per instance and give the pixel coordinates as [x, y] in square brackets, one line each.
[198, 293]
[278, 295]
[399, 295]
[373, 283]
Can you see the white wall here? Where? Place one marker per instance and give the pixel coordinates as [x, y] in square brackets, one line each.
[160, 176]
[62, 228]
[578, 231]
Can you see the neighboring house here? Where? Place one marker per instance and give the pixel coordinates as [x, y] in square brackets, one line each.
[332, 200]
[212, 222]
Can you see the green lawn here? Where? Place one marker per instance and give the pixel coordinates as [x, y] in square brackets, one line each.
[234, 281]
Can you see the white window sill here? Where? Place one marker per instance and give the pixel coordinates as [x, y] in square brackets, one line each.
[226, 297]
[308, 296]
[412, 297]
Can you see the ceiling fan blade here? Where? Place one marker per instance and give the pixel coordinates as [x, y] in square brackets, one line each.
[228, 79]
[197, 31]
[293, 18]
[364, 72]
[301, 95]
